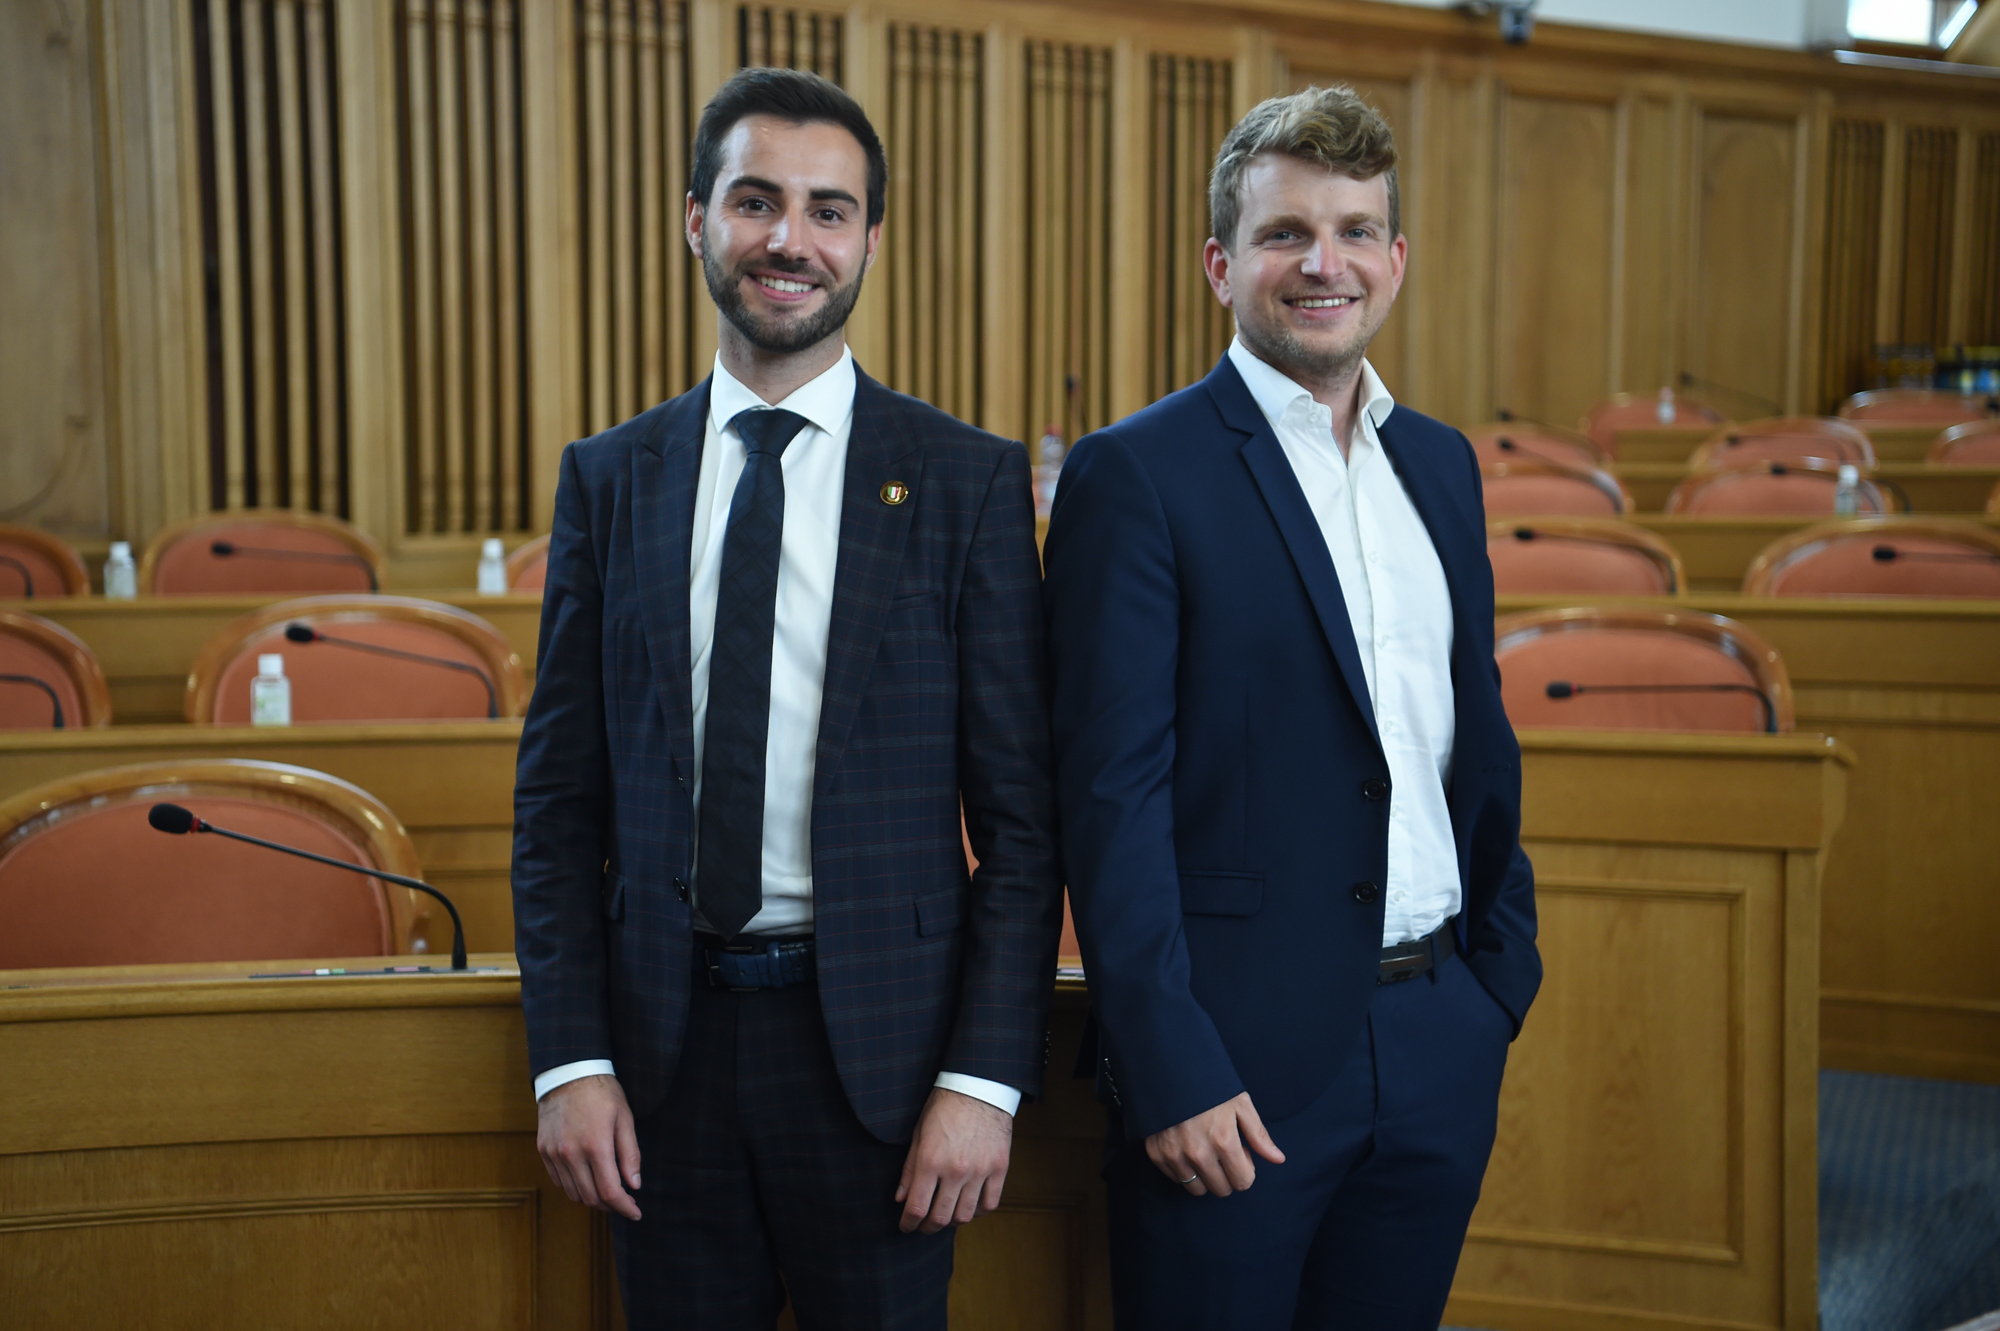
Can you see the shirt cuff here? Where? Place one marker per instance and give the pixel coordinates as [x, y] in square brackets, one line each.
[998, 1094]
[563, 1074]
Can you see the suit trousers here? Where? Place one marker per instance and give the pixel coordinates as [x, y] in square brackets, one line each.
[1360, 1229]
[759, 1183]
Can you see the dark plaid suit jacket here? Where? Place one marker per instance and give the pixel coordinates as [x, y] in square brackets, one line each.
[934, 691]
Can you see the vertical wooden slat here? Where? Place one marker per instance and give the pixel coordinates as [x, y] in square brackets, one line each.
[598, 297]
[925, 185]
[899, 260]
[229, 255]
[261, 262]
[678, 311]
[648, 54]
[329, 445]
[969, 255]
[507, 294]
[623, 203]
[479, 308]
[293, 487]
[446, 46]
[1159, 326]
[552, 332]
[1188, 77]
[422, 250]
[1005, 114]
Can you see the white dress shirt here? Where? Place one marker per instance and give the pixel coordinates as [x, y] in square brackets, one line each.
[1399, 607]
[815, 471]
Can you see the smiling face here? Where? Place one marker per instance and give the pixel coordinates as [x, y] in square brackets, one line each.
[1312, 270]
[784, 241]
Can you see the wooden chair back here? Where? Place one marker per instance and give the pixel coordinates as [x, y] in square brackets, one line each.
[35, 565]
[1785, 439]
[1536, 489]
[1880, 556]
[272, 550]
[1584, 556]
[46, 671]
[1771, 489]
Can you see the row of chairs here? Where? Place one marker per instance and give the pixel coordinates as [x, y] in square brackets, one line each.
[237, 552]
[1846, 557]
[349, 658]
[1776, 439]
[1801, 487]
[1904, 407]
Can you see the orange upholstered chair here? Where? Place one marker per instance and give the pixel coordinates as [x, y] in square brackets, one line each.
[1785, 439]
[1638, 411]
[35, 565]
[1880, 557]
[86, 881]
[1601, 556]
[1536, 489]
[1770, 489]
[1511, 441]
[528, 566]
[1918, 406]
[260, 550]
[1639, 669]
[1974, 444]
[46, 671]
[341, 656]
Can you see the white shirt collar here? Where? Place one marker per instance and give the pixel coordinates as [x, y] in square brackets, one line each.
[825, 401]
[1277, 392]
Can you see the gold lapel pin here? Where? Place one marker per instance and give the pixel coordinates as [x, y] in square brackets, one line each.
[894, 492]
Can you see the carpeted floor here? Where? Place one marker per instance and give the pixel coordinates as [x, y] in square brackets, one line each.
[1909, 1205]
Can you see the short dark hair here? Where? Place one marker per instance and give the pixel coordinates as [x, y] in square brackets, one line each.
[789, 94]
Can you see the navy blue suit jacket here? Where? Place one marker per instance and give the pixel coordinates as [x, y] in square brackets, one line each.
[935, 688]
[1215, 747]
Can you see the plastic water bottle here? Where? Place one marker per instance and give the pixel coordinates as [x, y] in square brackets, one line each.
[121, 579]
[1847, 490]
[492, 568]
[1048, 470]
[270, 692]
[1664, 411]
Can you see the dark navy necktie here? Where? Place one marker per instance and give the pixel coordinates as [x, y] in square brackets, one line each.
[729, 870]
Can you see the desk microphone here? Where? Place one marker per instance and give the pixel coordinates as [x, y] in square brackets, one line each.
[27, 578]
[1710, 385]
[1506, 445]
[305, 633]
[1810, 445]
[179, 821]
[1888, 553]
[1560, 689]
[1509, 417]
[1536, 534]
[229, 549]
[55, 702]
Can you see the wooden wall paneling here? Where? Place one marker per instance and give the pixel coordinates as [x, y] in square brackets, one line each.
[1745, 250]
[552, 325]
[1930, 174]
[1981, 274]
[509, 410]
[447, 51]
[1129, 211]
[258, 103]
[328, 458]
[479, 48]
[226, 368]
[295, 488]
[598, 297]
[1069, 249]
[422, 509]
[1853, 254]
[1553, 326]
[1461, 168]
[372, 314]
[1188, 328]
[1889, 277]
[1648, 200]
[1003, 167]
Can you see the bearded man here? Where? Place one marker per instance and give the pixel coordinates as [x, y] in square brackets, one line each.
[792, 625]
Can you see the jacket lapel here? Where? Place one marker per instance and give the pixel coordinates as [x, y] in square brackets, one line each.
[1294, 518]
[665, 471]
[880, 449]
[1447, 516]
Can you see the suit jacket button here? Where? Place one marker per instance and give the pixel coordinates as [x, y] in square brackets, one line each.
[1366, 892]
[1375, 788]
[681, 888]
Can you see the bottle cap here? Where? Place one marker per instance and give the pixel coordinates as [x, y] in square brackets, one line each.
[493, 549]
[270, 663]
[1849, 473]
[121, 549]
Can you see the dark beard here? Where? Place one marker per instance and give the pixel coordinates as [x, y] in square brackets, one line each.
[778, 338]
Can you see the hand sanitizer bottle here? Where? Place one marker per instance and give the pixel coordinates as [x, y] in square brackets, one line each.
[1847, 490]
[270, 692]
[121, 579]
[492, 568]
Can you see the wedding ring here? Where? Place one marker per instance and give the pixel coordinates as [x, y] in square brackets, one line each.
[1189, 1179]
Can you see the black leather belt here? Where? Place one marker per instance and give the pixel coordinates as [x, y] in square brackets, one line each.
[1420, 956]
[757, 963]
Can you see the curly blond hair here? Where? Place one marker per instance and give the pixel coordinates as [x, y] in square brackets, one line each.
[1331, 126]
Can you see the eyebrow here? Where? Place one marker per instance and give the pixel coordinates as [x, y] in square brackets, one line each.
[825, 193]
[1297, 223]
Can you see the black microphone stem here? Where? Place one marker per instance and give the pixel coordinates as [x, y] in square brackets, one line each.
[55, 699]
[27, 579]
[457, 928]
[397, 653]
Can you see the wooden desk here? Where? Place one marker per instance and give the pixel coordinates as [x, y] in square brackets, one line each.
[450, 782]
[1717, 552]
[147, 645]
[1656, 1162]
[1946, 491]
[1676, 443]
[1912, 898]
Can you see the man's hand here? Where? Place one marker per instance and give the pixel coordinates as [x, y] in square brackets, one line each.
[1207, 1155]
[957, 1162]
[586, 1140]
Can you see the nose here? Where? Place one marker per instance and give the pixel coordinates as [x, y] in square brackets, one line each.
[1324, 257]
[787, 236]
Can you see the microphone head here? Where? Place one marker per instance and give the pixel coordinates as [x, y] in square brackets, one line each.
[1525, 533]
[1506, 445]
[1561, 688]
[172, 818]
[297, 632]
[222, 547]
[1883, 553]
[1504, 414]
[1780, 469]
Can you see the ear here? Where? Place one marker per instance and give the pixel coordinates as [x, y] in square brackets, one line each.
[874, 239]
[1215, 263]
[1399, 256]
[693, 225]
